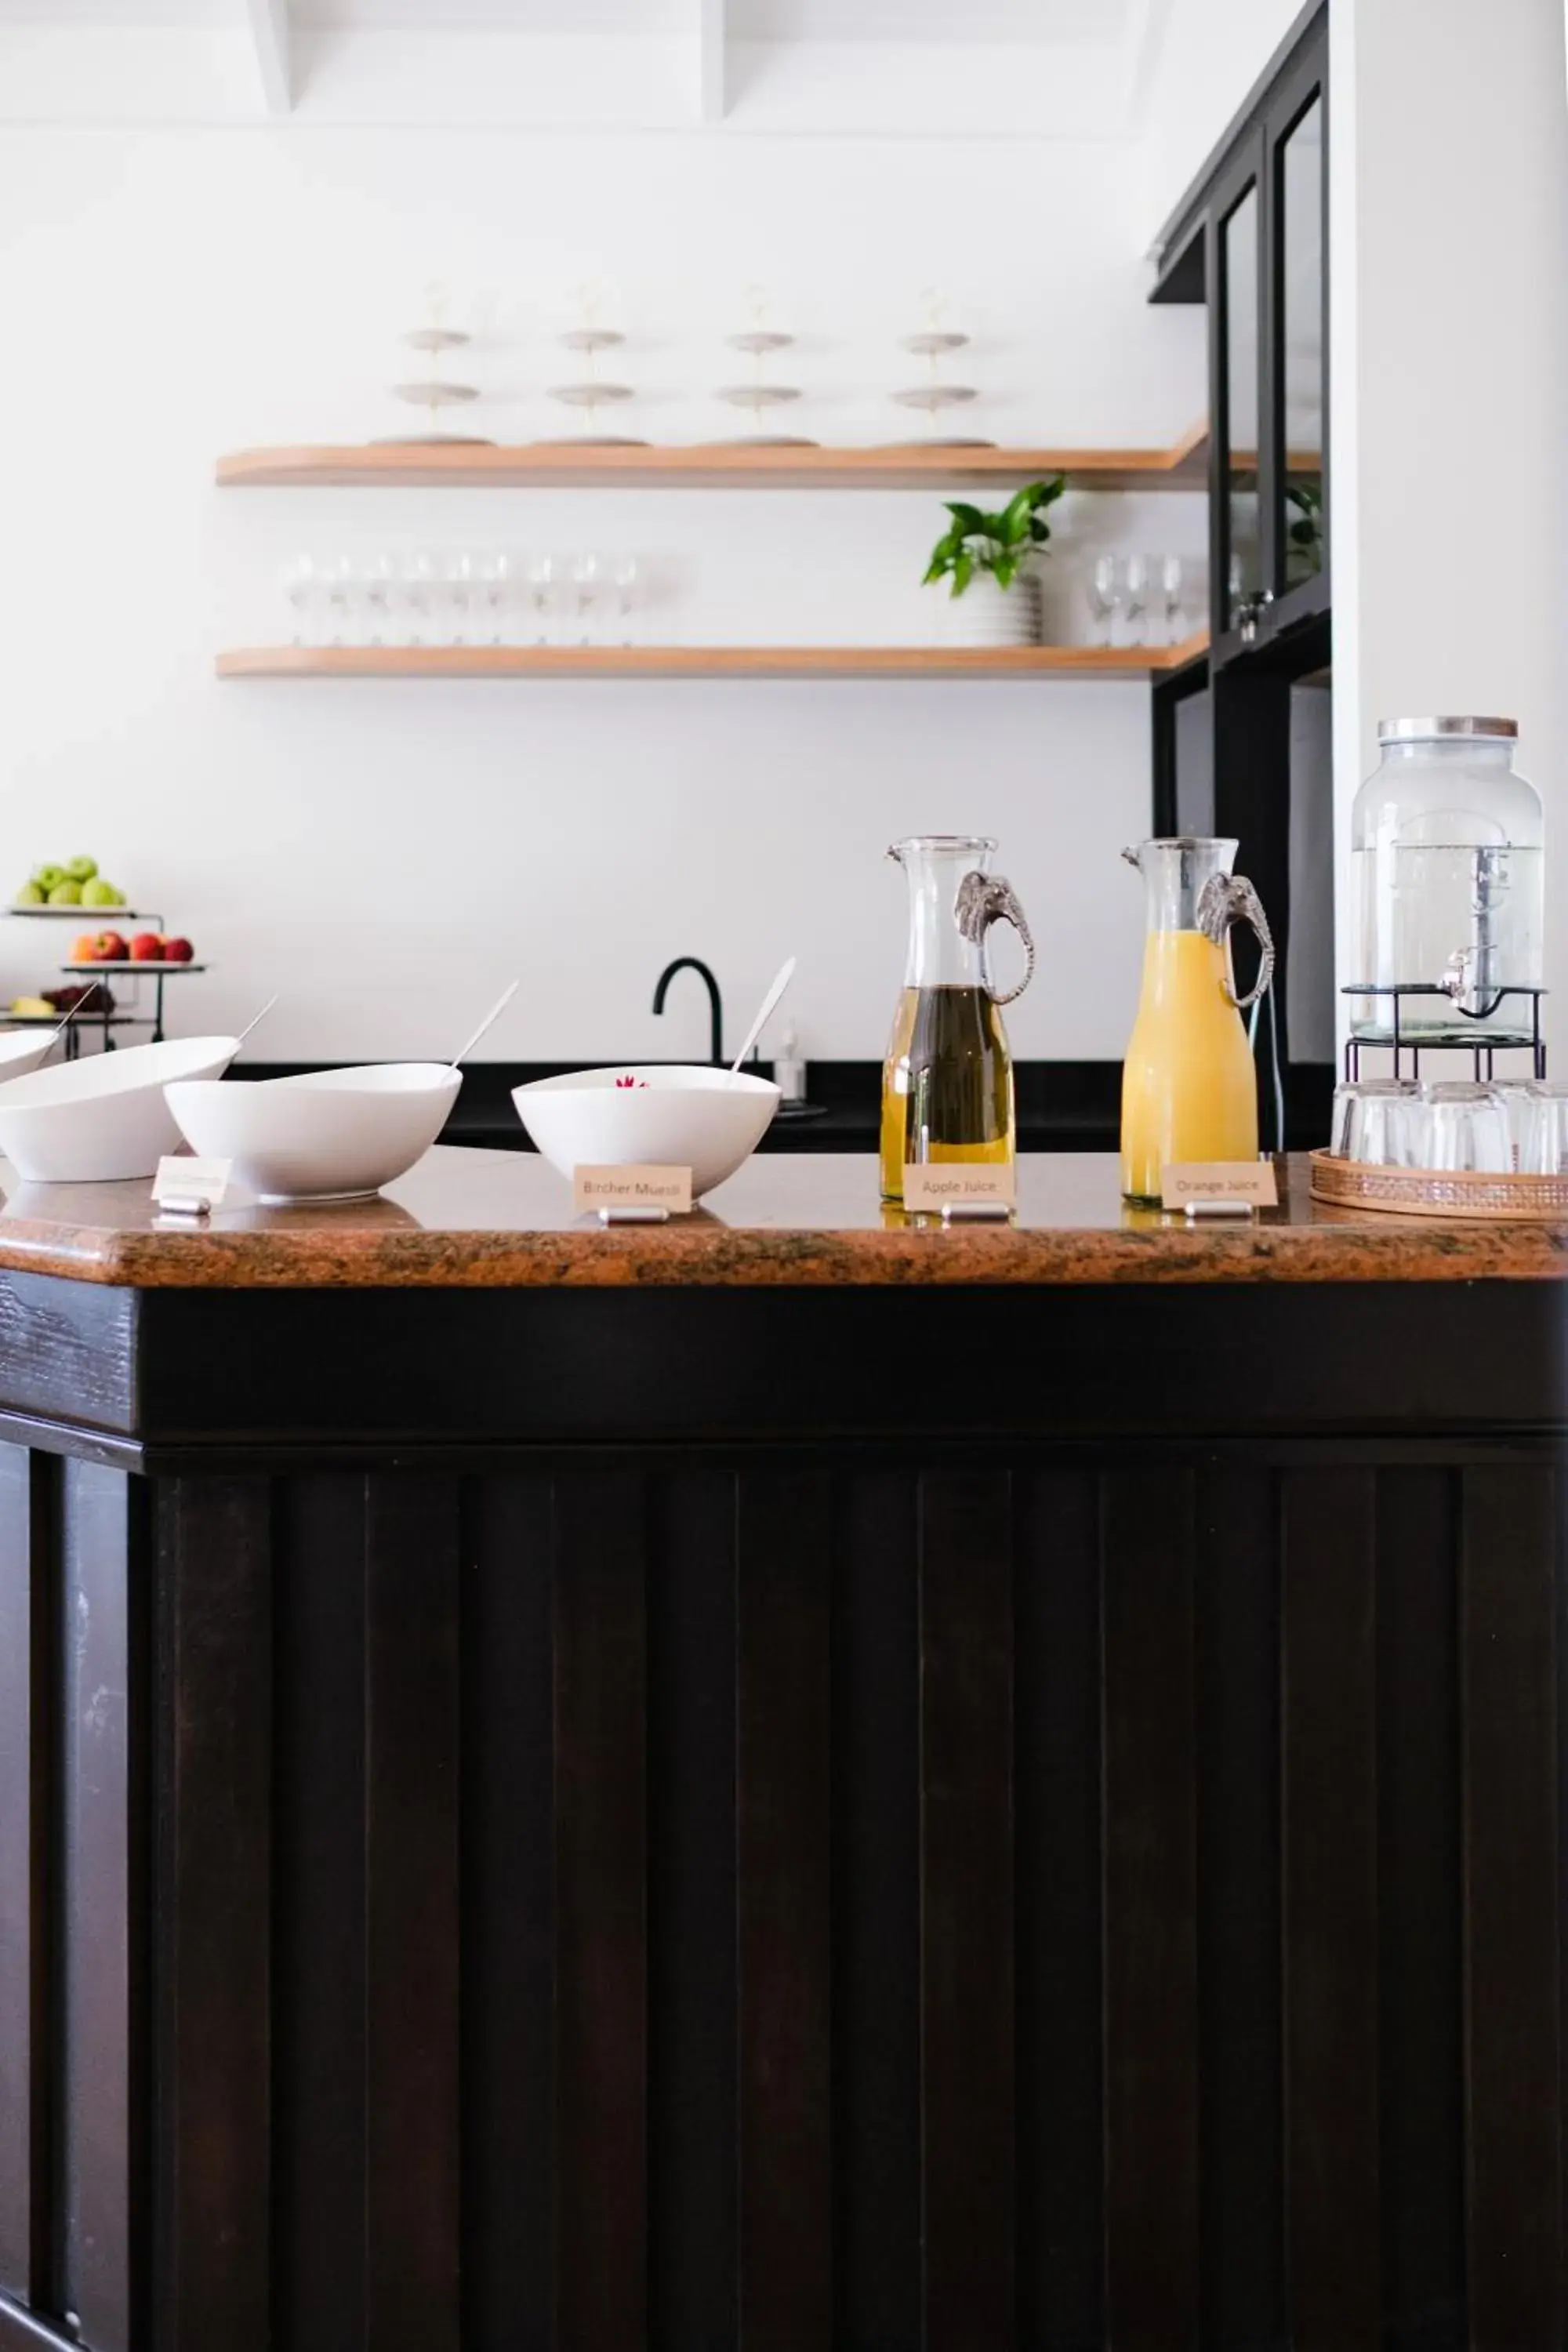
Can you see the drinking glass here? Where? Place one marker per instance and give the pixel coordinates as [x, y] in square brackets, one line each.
[1171, 591]
[543, 584]
[376, 579]
[1104, 598]
[1466, 1129]
[416, 596]
[1135, 596]
[301, 586]
[625, 575]
[1377, 1123]
[1517, 1096]
[458, 581]
[587, 580]
[1543, 1144]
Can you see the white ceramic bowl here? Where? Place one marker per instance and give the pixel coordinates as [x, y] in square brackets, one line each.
[104, 1118]
[699, 1118]
[21, 1050]
[332, 1135]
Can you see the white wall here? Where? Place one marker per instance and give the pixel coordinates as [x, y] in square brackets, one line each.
[1449, 450]
[1206, 60]
[388, 853]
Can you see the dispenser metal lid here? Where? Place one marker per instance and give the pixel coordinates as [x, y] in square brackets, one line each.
[1427, 730]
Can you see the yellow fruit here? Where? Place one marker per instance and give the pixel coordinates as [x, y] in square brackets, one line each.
[34, 1006]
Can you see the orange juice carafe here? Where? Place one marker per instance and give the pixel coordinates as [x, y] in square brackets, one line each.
[1189, 1090]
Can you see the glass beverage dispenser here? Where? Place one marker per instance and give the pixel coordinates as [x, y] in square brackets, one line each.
[1447, 848]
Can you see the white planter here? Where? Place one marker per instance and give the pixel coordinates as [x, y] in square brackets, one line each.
[986, 614]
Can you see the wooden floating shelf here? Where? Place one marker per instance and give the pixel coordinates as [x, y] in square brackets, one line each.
[713, 661]
[714, 465]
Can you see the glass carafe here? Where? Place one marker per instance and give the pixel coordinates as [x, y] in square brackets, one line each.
[1188, 1090]
[947, 1082]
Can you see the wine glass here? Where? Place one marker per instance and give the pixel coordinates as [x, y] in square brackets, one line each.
[1104, 598]
[338, 582]
[375, 582]
[1171, 591]
[300, 583]
[587, 579]
[625, 575]
[1135, 595]
[543, 580]
[498, 580]
[417, 595]
[457, 574]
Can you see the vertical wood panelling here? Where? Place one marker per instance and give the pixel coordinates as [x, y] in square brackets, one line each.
[693, 2261]
[508, 1917]
[1151, 1967]
[876, 1909]
[1241, 2069]
[103, 1729]
[601, 1908]
[1331, 1908]
[1060, 2130]
[783, 1890]
[966, 1904]
[412, 2230]
[211, 1924]
[1421, 1999]
[28, 1664]
[1507, 1538]
[318, 1934]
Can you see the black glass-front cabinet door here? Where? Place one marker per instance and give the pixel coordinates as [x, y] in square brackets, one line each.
[1252, 244]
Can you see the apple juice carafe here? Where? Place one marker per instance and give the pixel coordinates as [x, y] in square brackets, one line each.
[947, 1082]
[1188, 1088]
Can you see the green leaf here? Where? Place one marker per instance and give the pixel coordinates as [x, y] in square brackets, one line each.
[969, 517]
[1006, 570]
[962, 573]
[1039, 530]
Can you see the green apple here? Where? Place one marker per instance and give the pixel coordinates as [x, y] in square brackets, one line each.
[66, 894]
[80, 869]
[45, 877]
[29, 894]
[100, 893]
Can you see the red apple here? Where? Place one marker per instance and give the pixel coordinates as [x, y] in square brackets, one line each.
[106, 947]
[178, 952]
[146, 948]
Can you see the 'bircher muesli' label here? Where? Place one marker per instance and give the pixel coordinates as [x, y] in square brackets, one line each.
[632, 1187]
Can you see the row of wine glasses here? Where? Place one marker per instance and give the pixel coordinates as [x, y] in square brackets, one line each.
[462, 596]
[1137, 600]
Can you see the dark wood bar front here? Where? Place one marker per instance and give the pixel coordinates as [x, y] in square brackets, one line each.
[793, 1781]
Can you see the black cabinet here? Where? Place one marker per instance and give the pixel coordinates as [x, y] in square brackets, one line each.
[1240, 737]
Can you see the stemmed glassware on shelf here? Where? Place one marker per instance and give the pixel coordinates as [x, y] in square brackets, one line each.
[462, 596]
[1104, 593]
[1136, 599]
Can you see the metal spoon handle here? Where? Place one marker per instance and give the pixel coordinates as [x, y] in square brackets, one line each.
[770, 1003]
[494, 1015]
[255, 1023]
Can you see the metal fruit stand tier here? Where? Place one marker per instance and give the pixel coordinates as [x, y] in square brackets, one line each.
[106, 1021]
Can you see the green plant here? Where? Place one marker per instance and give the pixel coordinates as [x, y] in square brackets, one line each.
[1304, 555]
[997, 543]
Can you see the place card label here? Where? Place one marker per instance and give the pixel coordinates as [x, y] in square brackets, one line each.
[1235, 1184]
[668, 1188]
[935, 1184]
[192, 1186]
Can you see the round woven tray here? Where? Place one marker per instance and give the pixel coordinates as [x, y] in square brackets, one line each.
[1437, 1192]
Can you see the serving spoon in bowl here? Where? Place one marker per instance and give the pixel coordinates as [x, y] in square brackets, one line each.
[492, 1017]
[782, 979]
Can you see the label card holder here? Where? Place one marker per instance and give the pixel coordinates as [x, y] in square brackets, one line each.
[951, 1190]
[185, 1187]
[631, 1195]
[1219, 1188]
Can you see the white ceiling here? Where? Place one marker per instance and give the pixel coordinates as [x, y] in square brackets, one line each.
[1100, 23]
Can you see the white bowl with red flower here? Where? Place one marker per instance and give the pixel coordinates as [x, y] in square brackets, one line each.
[649, 1115]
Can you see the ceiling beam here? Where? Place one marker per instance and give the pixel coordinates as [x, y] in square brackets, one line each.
[711, 34]
[269, 23]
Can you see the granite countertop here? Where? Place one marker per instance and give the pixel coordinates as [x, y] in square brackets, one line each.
[491, 1219]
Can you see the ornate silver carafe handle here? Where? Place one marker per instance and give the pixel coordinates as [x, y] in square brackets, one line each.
[984, 899]
[1228, 899]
